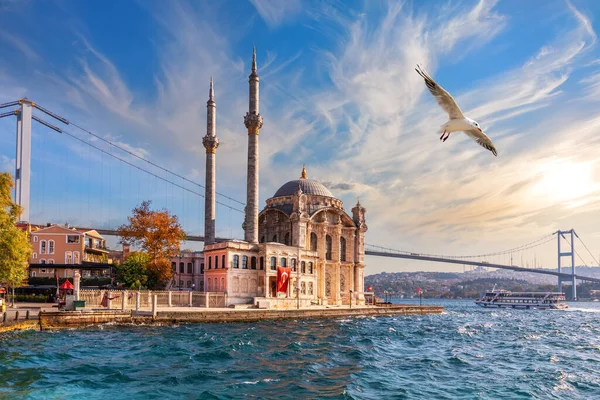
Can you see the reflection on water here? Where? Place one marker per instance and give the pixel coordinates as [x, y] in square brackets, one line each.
[467, 352]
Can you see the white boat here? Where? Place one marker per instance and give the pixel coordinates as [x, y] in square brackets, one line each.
[523, 300]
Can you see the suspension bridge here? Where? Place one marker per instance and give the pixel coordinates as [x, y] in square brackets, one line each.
[115, 170]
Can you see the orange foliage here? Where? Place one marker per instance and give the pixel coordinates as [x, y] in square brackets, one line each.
[158, 233]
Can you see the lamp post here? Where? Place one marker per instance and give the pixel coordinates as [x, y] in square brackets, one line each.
[350, 298]
[297, 296]
[420, 293]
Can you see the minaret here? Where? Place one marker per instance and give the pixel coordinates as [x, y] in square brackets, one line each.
[211, 143]
[253, 122]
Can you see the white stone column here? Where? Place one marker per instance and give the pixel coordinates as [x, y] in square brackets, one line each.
[76, 284]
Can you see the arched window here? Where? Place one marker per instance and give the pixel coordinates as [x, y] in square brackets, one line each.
[42, 261]
[303, 267]
[190, 269]
[273, 263]
[217, 289]
[50, 261]
[202, 286]
[181, 268]
[223, 284]
[293, 265]
[310, 269]
[201, 268]
[287, 239]
[262, 263]
[209, 285]
[75, 257]
[313, 241]
[35, 239]
[50, 246]
[236, 261]
[253, 263]
[174, 266]
[244, 262]
[328, 247]
[223, 261]
[209, 262]
[34, 256]
[43, 247]
[283, 262]
[189, 284]
[68, 258]
[342, 249]
[274, 239]
[216, 262]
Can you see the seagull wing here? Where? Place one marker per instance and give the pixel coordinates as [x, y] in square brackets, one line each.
[443, 98]
[482, 139]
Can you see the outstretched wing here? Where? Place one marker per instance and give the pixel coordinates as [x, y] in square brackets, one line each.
[482, 139]
[443, 98]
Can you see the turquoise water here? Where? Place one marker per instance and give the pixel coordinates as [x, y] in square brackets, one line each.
[465, 353]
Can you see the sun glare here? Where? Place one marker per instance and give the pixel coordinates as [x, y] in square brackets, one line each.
[564, 180]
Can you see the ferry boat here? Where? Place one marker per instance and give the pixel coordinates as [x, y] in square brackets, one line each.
[522, 300]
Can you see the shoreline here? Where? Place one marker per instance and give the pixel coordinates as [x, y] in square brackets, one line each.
[57, 320]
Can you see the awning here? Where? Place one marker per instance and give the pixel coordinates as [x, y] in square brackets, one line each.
[67, 285]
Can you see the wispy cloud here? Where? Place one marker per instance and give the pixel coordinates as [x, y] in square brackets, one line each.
[275, 12]
[19, 44]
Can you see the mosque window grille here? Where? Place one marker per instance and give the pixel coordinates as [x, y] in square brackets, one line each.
[287, 239]
[310, 267]
[223, 261]
[283, 262]
[262, 263]
[216, 262]
[253, 263]
[303, 267]
[273, 263]
[236, 261]
[181, 268]
[342, 249]
[293, 265]
[209, 262]
[244, 262]
[190, 268]
[328, 245]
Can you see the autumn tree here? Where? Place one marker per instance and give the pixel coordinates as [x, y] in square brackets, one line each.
[15, 248]
[158, 234]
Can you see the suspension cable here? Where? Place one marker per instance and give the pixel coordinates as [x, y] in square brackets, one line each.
[144, 170]
[588, 250]
[147, 161]
[572, 248]
[535, 243]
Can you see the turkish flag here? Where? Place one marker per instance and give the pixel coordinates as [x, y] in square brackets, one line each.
[283, 277]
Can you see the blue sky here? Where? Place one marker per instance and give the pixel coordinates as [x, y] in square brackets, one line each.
[338, 92]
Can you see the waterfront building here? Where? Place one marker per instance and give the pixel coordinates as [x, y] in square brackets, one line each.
[60, 251]
[303, 226]
[188, 271]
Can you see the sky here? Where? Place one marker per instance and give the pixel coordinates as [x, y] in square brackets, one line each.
[339, 93]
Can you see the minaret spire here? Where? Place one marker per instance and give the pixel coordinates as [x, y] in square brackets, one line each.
[211, 143]
[253, 122]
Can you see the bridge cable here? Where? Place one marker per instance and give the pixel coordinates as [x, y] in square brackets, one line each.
[530, 245]
[146, 171]
[572, 247]
[150, 162]
[588, 250]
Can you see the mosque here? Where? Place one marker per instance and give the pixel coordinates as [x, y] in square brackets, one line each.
[303, 227]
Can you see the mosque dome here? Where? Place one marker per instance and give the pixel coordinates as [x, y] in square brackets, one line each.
[308, 186]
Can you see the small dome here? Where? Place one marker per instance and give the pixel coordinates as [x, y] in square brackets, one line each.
[308, 186]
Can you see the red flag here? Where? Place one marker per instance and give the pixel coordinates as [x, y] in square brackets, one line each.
[283, 277]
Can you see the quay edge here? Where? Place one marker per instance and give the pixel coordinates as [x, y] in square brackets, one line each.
[79, 319]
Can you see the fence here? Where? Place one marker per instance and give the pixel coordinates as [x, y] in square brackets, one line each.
[127, 299]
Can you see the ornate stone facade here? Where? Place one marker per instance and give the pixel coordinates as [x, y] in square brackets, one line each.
[303, 226]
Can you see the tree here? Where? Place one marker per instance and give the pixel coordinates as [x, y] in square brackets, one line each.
[15, 248]
[133, 273]
[159, 234]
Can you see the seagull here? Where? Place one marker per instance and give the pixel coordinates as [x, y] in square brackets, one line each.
[457, 121]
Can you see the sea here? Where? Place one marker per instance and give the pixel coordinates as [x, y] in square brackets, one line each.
[465, 353]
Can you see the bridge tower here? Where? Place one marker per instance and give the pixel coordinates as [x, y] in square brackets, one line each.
[559, 235]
